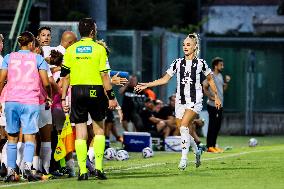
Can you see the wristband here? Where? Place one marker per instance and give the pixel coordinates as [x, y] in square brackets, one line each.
[110, 94]
[63, 99]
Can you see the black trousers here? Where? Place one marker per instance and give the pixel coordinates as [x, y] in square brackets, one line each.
[215, 119]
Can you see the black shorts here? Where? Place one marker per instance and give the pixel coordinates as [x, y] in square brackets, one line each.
[109, 116]
[88, 99]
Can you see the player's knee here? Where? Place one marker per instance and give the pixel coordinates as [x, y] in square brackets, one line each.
[99, 131]
[13, 137]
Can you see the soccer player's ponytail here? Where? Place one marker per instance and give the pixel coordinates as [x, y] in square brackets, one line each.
[25, 38]
[195, 37]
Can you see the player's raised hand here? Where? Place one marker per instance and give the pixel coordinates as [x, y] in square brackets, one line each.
[116, 80]
[217, 102]
[140, 87]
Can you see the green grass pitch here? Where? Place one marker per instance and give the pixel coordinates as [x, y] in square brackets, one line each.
[240, 168]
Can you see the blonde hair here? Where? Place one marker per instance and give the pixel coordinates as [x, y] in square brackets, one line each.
[196, 38]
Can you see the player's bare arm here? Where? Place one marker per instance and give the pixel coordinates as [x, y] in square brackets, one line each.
[162, 81]
[45, 82]
[207, 92]
[214, 89]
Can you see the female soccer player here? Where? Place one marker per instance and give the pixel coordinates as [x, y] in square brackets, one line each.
[189, 94]
[23, 70]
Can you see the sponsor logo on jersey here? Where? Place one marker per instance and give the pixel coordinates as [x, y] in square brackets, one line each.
[84, 49]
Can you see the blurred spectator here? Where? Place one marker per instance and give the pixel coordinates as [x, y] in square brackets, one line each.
[156, 126]
[158, 105]
[132, 104]
[150, 94]
[168, 113]
[215, 115]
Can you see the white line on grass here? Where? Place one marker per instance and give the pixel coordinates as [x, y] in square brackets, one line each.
[144, 166]
[204, 159]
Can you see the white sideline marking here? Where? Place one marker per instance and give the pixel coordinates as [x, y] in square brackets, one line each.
[205, 159]
[144, 166]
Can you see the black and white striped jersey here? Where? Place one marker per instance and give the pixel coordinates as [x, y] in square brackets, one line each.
[189, 89]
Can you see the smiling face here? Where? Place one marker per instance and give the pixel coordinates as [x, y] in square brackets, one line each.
[44, 37]
[189, 46]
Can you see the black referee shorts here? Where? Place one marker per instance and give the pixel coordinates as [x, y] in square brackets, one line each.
[88, 99]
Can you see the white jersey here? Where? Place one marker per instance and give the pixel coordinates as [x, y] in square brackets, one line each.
[189, 89]
[46, 51]
[59, 48]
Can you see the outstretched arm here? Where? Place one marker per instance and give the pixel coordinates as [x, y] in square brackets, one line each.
[214, 89]
[141, 86]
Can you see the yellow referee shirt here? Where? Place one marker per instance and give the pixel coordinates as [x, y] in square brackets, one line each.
[86, 60]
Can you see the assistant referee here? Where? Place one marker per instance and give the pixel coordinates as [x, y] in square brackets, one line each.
[85, 69]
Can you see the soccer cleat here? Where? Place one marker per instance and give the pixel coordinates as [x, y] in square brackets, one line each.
[64, 170]
[212, 150]
[37, 174]
[182, 164]
[84, 176]
[100, 175]
[219, 150]
[30, 176]
[198, 158]
[47, 177]
[3, 170]
[12, 177]
[92, 173]
[57, 173]
[71, 172]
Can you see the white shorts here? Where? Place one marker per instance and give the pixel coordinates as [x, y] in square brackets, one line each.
[2, 116]
[45, 117]
[180, 109]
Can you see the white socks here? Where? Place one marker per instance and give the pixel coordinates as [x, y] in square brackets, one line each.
[45, 155]
[91, 154]
[185, 141]
[36, 163]
[20, 153]
[28, 165]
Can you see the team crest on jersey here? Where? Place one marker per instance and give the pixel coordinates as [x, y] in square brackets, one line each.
[84, 49]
